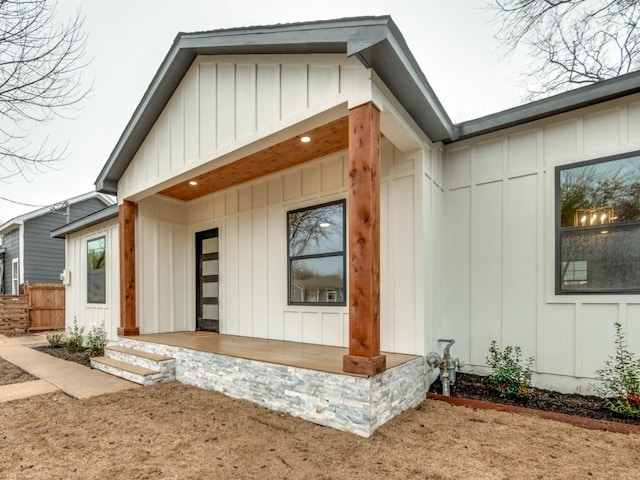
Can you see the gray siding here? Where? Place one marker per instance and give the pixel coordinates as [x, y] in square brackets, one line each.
[11, 243]
[82, 209]
[44, 256]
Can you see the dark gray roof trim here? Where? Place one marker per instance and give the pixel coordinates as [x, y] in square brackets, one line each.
[85, 222]
[579, 98]
[376, 41]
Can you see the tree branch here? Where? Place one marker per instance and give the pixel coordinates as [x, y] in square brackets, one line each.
[572, 42]
[40, 63]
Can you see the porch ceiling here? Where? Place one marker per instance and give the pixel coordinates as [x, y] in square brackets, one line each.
[325, 140]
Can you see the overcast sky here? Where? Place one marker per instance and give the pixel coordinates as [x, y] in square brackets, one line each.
[452, 40]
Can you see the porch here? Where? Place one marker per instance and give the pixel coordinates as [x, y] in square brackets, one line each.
[322, 358]
[303, 380]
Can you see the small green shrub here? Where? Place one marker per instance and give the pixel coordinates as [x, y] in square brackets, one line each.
[621, 378]
[75, 338]
[509, 376]
[55, 338]
[96, 341]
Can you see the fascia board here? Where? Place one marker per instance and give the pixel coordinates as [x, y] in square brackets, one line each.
[564, 102]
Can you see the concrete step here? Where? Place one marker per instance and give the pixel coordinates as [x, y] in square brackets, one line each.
[152, 361]
[133, 373]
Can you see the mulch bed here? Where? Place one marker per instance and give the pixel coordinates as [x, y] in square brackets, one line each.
[60, 352]
[476, 387]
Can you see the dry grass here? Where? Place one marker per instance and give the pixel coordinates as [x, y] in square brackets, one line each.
[173, 431]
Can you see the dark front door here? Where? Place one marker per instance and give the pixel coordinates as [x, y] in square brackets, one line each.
[207, 281]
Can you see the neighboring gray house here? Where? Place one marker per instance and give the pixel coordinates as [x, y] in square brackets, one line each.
[27, 251]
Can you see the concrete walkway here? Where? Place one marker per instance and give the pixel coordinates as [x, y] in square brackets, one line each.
[54, 374]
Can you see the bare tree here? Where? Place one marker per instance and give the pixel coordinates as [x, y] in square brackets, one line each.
[571, 42]
[40, 62]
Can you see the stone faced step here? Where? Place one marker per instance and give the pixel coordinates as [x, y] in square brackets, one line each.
[139, 353]
[133, 373]
[153, 361]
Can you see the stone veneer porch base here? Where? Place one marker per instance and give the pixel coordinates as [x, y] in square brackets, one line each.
[353, 404]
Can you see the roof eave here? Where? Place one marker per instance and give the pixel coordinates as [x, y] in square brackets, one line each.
[10, 226]
[375, 41]
[20, 219]
[589, 95]
[86, 222]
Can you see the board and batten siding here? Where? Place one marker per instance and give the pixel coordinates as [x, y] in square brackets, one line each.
[86, 314]
[251, 219]
[225, 103]
[499, 246]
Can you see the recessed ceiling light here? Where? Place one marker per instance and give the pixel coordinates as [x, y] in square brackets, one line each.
[305, 139]
[193, 183]
[324, 224]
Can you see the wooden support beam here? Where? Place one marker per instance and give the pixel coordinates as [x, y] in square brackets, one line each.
[364, 242]
[127, 229]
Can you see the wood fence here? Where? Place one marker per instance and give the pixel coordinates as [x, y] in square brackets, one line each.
[40, 306]
[14, 313]
[46, 305]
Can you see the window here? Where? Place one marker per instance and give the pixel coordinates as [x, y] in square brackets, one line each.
[316, 254]
[598, 226]
[15, 276]
[96, 271]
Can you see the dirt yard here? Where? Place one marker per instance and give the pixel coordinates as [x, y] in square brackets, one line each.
[9, 374]
[173, 431]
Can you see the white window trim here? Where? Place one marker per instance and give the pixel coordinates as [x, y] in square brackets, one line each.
[15, 280]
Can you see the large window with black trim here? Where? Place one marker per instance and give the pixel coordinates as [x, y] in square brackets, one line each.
[316, 254]
[598, 226]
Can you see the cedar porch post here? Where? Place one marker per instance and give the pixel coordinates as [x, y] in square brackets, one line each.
[364, 242]
[127, 229]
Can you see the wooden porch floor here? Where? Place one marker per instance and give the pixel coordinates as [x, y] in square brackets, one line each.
[303, 355]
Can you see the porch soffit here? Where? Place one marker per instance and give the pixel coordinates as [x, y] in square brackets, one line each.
[325, 140]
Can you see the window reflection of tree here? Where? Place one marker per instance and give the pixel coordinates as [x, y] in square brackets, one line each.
[313, 230]
[316, 253]
[96, 254]
[609, 184]
[606, 253]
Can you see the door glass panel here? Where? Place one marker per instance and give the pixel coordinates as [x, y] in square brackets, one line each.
[210, 245]
[210, 289]
[210, 312]
[210, 267]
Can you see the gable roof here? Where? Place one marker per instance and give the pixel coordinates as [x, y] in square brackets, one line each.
[375, 41]
[20, 219]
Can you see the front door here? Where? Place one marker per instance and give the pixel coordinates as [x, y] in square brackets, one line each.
[207, 281]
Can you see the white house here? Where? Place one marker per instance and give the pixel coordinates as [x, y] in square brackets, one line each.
[301, 184]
